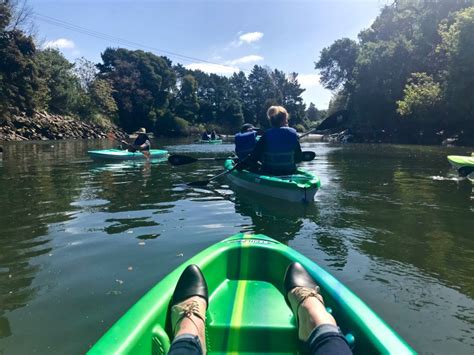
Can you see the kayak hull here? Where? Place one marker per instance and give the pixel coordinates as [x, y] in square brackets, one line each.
[117, 154]
[247, 312]
[459, 161]
[300, 187]
[211, 141]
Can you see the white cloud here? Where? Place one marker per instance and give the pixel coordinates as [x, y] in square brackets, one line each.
[60, 43]
[247, 59]
[250, 37]
[308, 80]
[213, 68]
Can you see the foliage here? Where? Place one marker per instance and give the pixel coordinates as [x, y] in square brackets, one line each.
[421, 96]
[415, 61]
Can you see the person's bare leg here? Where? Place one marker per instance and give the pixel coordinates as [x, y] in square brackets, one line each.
[192, 324]
[311, 313]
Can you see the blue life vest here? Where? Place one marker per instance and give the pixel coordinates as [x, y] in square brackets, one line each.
[244, 143]
[279, 155]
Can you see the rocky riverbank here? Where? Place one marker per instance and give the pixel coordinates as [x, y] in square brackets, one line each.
[43, 126]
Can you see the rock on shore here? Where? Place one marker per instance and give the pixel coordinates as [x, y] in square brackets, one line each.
[43, 126]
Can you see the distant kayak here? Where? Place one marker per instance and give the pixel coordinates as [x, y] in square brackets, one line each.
[117, 154]
[247, 311]
[211, 141]
[459, 161]
[299, 187]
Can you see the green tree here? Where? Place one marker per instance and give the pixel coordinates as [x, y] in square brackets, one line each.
[143, 85]
[458, 48]
[62, 86]
[337, 63]
[19, 82]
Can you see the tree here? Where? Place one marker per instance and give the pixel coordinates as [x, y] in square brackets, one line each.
[337, 63]
[232, 116]
[458, 48]
[186, 104]
[143, 84]
[19, 82]
[61, 84]
[312, 113]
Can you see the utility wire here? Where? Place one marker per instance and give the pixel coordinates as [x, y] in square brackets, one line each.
[89, 32]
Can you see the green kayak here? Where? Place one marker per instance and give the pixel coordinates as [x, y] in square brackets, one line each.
[211, 141]
[299, 187]
[247, 312]
[117, 154]
[459, 161]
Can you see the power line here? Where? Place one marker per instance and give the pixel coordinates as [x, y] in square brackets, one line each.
[100, 35]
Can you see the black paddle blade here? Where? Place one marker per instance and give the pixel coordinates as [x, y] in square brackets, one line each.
[177, 159]
[199, 183]
[308, 156]
[335, 120]
[465, 170]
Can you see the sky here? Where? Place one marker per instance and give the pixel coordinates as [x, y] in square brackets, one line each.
[219, 36]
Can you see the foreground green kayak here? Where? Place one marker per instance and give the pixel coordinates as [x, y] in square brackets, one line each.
[117, 154]
[299, 187]
[247, 312]
[211, 141]
[459, 161]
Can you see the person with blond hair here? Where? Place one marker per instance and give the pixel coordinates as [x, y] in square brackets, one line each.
[278, 149]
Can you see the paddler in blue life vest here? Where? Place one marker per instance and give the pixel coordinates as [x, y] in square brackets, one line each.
[245, 140]
[205, 136]
[279, 148]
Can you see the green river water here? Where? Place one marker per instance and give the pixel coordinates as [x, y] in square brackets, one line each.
[81, 241]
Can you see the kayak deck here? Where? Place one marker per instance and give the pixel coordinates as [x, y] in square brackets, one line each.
[299, 187]
[117, 154]
[247, 312]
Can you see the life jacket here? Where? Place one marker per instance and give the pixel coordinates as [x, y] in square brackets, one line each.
[244, 143]
[279, 154]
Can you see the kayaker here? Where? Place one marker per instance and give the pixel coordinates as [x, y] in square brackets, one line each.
[205, 136]
[142, 143]
[279, 148]
[213, 135]
[1, 153]
[316, 327]
[245, 140]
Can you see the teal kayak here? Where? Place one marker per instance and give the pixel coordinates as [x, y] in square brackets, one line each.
[117, 154]
[211, 141]
[247, 312]
[299, 187]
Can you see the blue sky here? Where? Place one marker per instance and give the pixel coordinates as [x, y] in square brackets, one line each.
[230, 34]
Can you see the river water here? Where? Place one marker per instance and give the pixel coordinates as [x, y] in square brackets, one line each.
[81, 241]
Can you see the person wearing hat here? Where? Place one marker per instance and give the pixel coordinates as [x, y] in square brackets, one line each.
[245, 140]
[142, 143]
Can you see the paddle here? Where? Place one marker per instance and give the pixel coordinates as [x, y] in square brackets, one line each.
[464, 171]
[306, 156]
[336, 119]
[177, 159]
[130, 147]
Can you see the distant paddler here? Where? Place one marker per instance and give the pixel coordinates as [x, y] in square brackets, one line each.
[142, 143]
[1, 153]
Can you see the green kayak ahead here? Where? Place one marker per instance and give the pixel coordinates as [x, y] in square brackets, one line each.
[247, 311]
[299, 187]
[117, 154]
[211, 141]
[459, 161]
